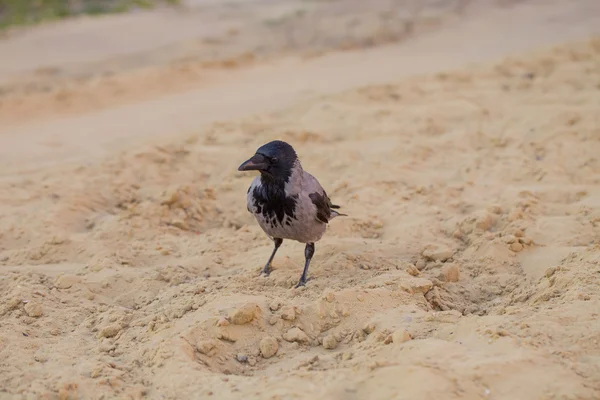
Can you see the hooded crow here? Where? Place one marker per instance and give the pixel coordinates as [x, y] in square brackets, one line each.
[287, 202]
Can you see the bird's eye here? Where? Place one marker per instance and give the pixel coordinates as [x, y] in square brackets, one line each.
[274, 159]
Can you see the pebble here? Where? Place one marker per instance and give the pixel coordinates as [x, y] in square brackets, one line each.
[360, 335]
[205, 346]
[222, 322]
[242, 358]
[244, 314]
[412, 270]
[268, 347]
[420, 285]
[550, 271]
[525, 241]
[369, 328]
[178, 223]
[275, 305]
[288, 313]
[437, 253]
[518, 233]
[330, 342]
[274, 319]
[34, 310]
[516, 247]
[296, 335]
[227, 336]
[66, 281]
[110, 331]
[400, 336]
[450, 273]
[509, 239]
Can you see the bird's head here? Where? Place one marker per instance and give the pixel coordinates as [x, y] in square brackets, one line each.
[274, 160]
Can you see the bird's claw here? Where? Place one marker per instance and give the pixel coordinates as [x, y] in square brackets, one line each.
[265, 272]
[301, 283]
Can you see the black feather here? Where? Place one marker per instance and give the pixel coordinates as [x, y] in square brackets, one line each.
[273, 204]
[323, 204]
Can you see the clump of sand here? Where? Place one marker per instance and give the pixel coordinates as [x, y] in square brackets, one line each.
[468, 266]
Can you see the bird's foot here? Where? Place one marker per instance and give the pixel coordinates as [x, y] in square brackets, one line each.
[301, 283]
[266, 271]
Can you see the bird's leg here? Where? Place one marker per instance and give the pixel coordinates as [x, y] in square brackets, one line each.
[267, 269]
[308, 254]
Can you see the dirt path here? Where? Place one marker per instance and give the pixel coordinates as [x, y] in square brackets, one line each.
[30, 145]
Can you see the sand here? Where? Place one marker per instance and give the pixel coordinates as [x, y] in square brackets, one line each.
[468, 266]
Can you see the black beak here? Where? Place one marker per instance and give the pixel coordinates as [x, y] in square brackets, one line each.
[256, 163]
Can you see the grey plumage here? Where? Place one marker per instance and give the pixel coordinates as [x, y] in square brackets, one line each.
[287, 202]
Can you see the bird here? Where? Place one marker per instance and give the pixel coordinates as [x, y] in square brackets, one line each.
[287, 202]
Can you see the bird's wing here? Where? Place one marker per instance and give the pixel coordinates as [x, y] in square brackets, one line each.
[319, 198]
[323, 204]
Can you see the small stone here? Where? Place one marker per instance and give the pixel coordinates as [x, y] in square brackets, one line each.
[420, 264]
[412, 270]
[525, 241]
[251, 361]
[268, 347]
[509, 239]
[369, 328]
[110, 331]
[205, 346]
[516, 247]
[275, 305]
[437, 253]
[34, 310]
[288, 313]
[242, 358]
[420, 285]
[244, 314]
[518, 233]
[400, 336]
[550, 271]
[329, 342]
[274, 319]
[66, 281]
[450, 273]
[347, 356]
[178, 223]
[360, 335]
[227, 336]
[296, 335]
[170, 197]
[222, 322]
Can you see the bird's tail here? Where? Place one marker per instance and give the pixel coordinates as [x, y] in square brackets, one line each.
[336, 213]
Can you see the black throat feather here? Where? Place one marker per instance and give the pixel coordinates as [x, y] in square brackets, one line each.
[271, 201]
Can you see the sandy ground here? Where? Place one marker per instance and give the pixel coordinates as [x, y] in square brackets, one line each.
[468, 266]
